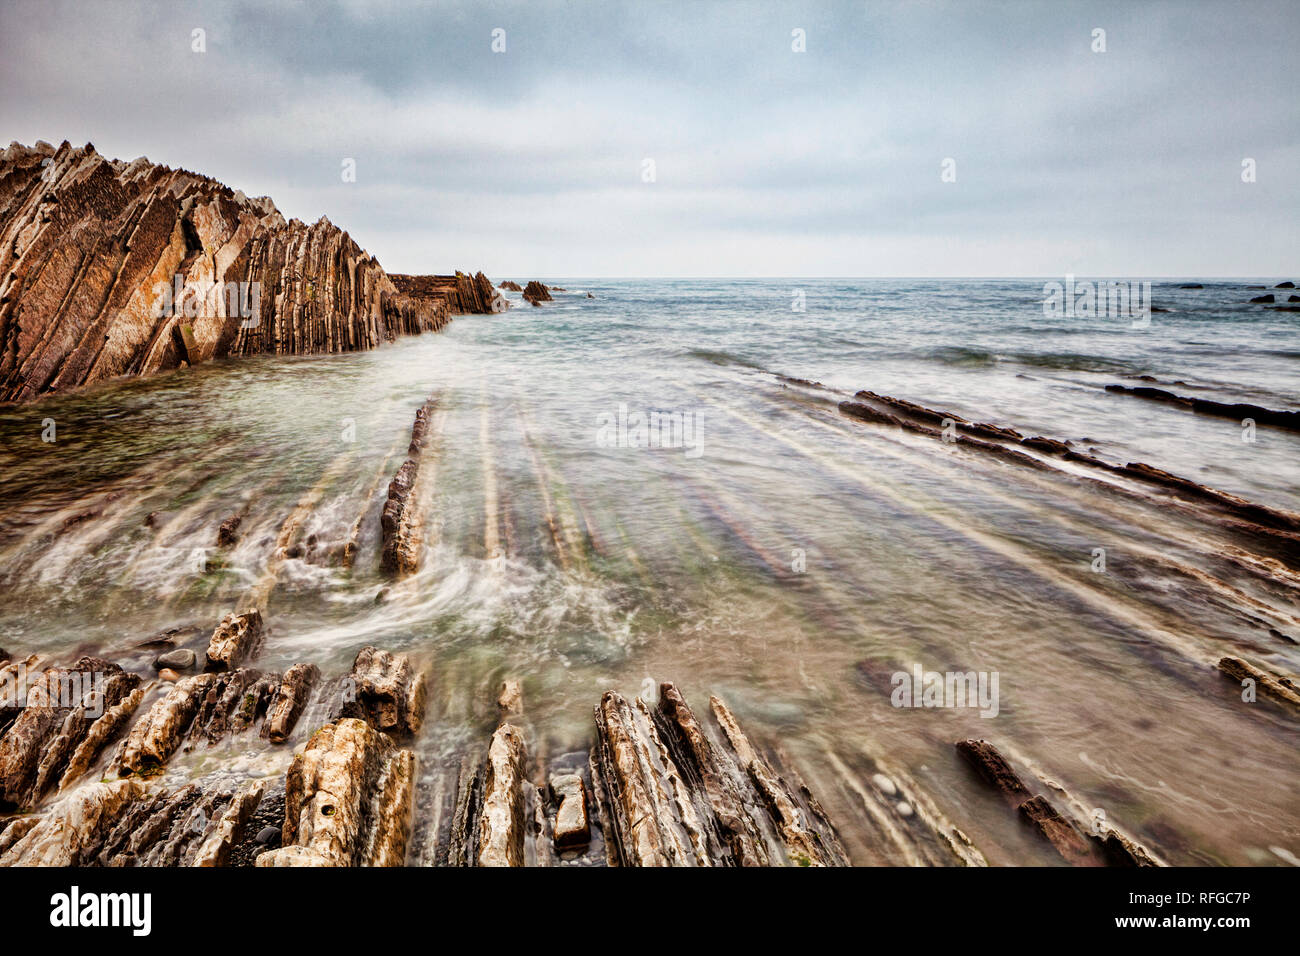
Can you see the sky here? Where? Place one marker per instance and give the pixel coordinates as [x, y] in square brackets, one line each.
[534, 161]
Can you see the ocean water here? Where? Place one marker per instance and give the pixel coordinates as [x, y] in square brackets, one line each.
[768, 549]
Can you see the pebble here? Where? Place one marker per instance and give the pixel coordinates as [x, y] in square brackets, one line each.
[181, 660]
[267, 834]
[168, 674]
[884, 785]
[904, 808]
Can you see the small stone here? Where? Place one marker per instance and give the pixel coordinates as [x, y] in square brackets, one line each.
[904, 809]
[511, 699]
[228, 533]
[237, 638]
[381, 596]
[884, 785]
[268, 835]
[571, 827]
[168, 674]
[180, 660]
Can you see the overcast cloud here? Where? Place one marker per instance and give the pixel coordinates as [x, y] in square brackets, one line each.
[529, 163]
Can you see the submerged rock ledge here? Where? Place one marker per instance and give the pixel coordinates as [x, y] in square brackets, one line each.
[110, 268]
[1276, 528]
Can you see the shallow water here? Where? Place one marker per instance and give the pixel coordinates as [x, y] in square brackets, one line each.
[784, 559]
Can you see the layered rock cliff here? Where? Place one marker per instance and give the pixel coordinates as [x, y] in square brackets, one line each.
[111, 268]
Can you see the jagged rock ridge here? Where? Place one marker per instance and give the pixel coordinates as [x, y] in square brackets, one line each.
[111, 268]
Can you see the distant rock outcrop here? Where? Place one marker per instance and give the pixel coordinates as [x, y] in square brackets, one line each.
[466, 295]
[510, 286]
[535, 292]
[111, 268]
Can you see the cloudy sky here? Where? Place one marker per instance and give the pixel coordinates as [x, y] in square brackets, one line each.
[531, 162]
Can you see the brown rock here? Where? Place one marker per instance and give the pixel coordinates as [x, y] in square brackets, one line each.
[1279, 688]
[228, 533]
[385, 690]
[571, 827]
[502, 818]
[158, 734]
[809, 838]
[290, 699]
[56, 715]
[216, 846]
[401, 524]
[510, 701]
[535, 292]
[993, 767]
[237, 637]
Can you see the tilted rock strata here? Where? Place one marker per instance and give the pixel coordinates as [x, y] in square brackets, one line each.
[464, 294]
[1278, 528]
[401, 523]
[535, 292]
[670, 796]
[67, 714]
[88, 244]
[1238, 411]
[1071, 839]
[1277, 687]
[501, 819]
[289, 701]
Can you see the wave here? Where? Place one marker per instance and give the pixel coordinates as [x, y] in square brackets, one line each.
[718, 357]
[966, 357]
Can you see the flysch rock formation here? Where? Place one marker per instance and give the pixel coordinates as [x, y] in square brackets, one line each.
[111, 268]
[657, 785]
[341, 802]
[463, 293]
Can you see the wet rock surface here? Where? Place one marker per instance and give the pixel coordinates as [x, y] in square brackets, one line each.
[401, 524]
[659, 784]
[1076, 841]
[1238, 411]
[463, 294]
[238, 637]
[347, 800]
[386, 690]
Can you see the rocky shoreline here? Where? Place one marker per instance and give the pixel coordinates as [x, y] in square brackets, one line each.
[659, 786]
[656, 789]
